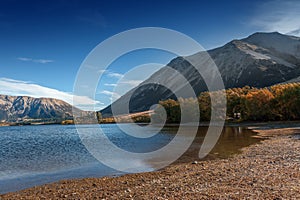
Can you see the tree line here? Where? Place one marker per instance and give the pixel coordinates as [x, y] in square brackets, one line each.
[278, 102]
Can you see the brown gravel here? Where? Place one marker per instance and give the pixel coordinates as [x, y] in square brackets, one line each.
[268, 170]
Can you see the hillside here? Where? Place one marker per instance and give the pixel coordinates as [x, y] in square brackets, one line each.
[23, 108]
[260, 60]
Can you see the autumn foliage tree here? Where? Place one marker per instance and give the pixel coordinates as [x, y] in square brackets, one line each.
[258, 105]
[205, 106]
[287, 101]
[278, 102]
[172, 109]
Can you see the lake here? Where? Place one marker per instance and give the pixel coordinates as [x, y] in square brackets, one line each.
[34, 155]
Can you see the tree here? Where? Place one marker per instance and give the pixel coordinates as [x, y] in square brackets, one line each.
[188, 108]
[287, 101]
[99, 117]
[172, 109]
[205, 106]
[234, 102]
[258, 104]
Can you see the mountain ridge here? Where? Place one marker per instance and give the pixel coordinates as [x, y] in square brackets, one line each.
[259, 60]
[26, 108]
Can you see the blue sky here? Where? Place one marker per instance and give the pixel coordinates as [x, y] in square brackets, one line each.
[43, 43]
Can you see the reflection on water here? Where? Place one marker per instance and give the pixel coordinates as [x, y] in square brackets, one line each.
[231, 142]
[32, 155]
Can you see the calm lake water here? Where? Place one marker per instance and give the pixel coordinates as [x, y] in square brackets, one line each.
[34, 155]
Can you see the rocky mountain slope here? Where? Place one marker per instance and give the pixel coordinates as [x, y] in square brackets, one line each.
[260, 60]
[22, 108]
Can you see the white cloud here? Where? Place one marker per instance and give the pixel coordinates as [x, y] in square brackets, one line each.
[106, 92]
[278, 15]
[114, 75]
[24, 59]
[25, 88]
[41, 61]
[112, 95]
[110, 84]
[132, 83]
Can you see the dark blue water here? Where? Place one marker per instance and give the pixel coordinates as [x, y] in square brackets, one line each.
[34, 155]
[31, 155]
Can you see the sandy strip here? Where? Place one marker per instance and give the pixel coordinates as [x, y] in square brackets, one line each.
[267, 170]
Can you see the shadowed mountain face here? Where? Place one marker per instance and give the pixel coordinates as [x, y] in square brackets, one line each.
[260, 60]
[18, 108]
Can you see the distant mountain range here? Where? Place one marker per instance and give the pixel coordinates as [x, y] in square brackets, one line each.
[23, 108]
[260, 60]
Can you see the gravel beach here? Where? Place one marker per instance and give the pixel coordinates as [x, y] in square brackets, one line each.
[269, 169]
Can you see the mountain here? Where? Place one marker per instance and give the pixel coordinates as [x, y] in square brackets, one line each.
[23, 108]
[260, 60]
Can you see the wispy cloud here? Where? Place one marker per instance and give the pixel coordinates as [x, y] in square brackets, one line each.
[112, 95]
[100, 71]
[41, 61]
[110, 84]
[278, 15]
[114, 74]
[132, 83]
[26, 88]
[24, 59]
[120, 88]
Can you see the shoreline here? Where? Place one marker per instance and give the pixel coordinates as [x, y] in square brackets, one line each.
[268, 169]
[201, 124]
